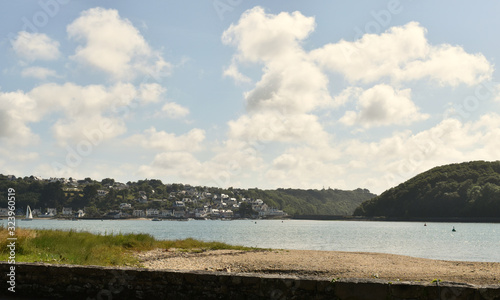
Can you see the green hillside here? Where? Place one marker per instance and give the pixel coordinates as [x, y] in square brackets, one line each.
[470, 189]
[313, 202]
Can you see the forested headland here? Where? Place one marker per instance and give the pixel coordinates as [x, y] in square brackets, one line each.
[463, 190]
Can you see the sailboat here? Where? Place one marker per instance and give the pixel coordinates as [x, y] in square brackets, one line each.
[29, 215]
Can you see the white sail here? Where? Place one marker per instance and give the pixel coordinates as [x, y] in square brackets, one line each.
[29, 215]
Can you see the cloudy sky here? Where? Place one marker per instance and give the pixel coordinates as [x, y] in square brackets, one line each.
[248, 93]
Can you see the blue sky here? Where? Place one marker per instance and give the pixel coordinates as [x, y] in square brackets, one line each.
[247, 93]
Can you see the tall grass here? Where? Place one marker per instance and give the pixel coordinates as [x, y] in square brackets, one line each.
[84, 248]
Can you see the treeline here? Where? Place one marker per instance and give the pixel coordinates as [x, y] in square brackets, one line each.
[43, 194]
[313, 202]
[470, 189]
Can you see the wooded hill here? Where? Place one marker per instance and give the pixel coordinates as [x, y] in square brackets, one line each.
[470, 189]
[313, 202]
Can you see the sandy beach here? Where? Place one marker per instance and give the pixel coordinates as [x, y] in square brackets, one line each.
[327, 264]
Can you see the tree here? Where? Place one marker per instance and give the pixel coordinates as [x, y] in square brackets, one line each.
[107, 182]
[246, 210]
[89, 194]
[52, 195]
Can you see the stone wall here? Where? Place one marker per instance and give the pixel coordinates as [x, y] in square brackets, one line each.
[42, 281]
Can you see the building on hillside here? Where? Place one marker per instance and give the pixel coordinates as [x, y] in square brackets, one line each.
[166, 213]
[179, 204]
[125, 205]
[138, 213]
[179, 214]
[152, 212]
[226, 214]
[102, 193]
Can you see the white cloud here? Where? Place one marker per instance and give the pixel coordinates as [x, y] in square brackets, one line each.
[150, 92]
[272, 126]
[164, 141]
[233, 72]
[38, 73]
[35, 46]
[347, 95]
[87, 112]
[381, 105]
[113, 45]
[402, 54]
[174, 110]
[264, 37]
[291, 87]
[17, 110]
[307, 167]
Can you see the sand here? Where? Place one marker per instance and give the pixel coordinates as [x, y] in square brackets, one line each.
[326, 264]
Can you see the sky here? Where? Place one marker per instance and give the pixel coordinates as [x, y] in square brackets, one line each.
[232, 93]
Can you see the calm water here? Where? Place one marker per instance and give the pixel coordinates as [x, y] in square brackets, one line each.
[471, 241]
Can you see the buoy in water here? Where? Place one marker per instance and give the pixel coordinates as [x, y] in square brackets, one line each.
[453, 229]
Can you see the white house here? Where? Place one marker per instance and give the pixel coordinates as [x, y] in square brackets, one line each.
[142, 199]
[226, 214]
[152, 212]
[102, 193]
[179, 204]
[138, 213]
[125, 205]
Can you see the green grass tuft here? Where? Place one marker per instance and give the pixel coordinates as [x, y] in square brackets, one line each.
[84, 248]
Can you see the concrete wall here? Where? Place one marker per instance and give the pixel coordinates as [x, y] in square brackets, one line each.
[39, 281]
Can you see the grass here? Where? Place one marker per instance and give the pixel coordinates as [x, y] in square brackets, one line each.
[84, 248]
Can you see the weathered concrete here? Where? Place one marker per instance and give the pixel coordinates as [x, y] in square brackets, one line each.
[39, 281]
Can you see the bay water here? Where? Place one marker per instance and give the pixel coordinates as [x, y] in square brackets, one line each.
[470, 241]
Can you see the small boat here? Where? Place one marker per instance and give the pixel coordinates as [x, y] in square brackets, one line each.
[29, 215]
[156, 219]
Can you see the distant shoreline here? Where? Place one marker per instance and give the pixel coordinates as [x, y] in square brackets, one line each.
[313, 218]
[394, 219]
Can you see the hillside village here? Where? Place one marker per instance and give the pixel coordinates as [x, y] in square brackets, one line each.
[144, 199]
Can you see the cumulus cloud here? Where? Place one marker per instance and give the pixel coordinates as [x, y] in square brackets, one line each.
[291, 87]
[113, 45]
[86, 112]
[272, 126]
[164, 141]
[17, 111]
[403, 53]
[38, 73]
[174, 110]
[35, 46]
[381, 105]
[307, 167]
[264, 37]
[233, 72]
[150, 92]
